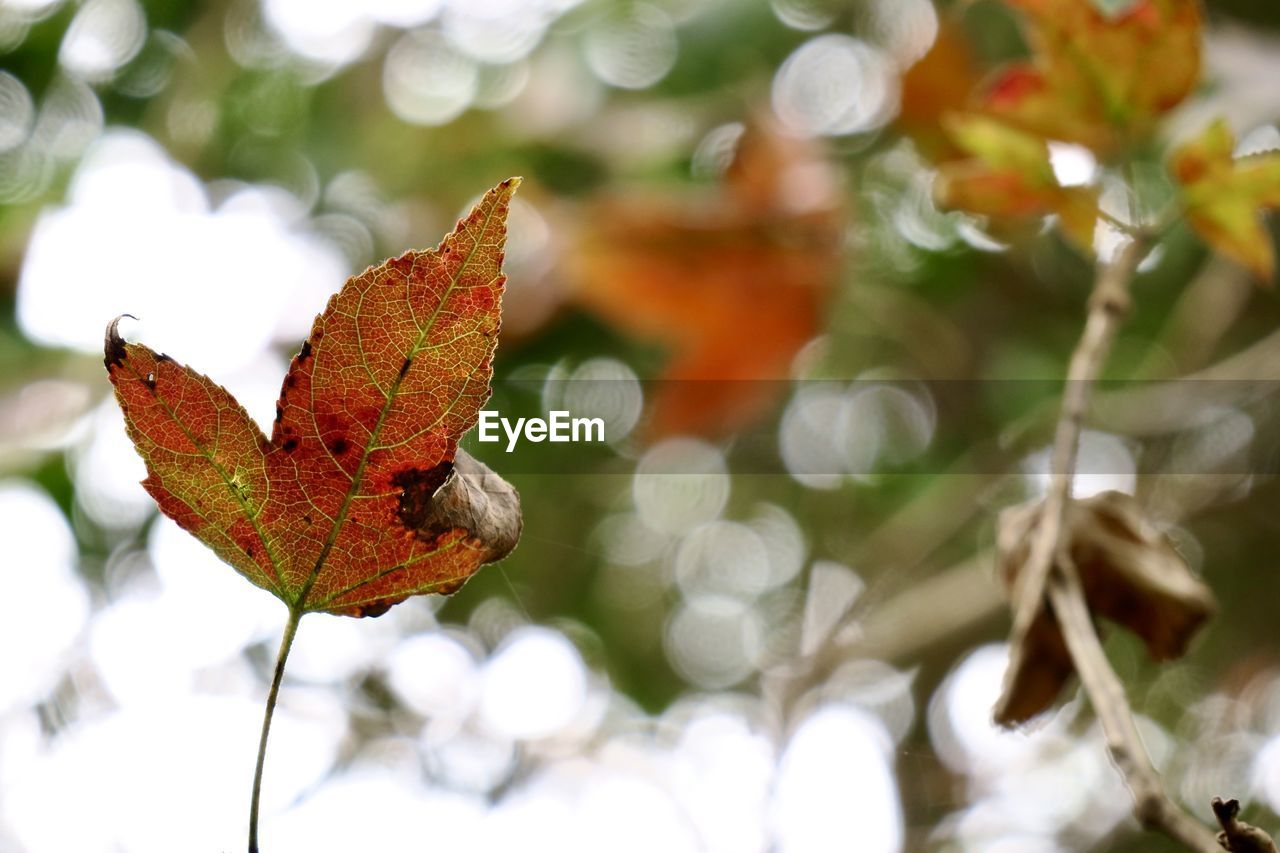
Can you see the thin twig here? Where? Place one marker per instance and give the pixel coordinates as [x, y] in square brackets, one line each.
[1107, 306]
[1152, 806]
[1238, 836]
[286, 643]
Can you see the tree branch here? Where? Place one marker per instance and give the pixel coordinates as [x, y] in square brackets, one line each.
[1151, 805]
[1108, 304]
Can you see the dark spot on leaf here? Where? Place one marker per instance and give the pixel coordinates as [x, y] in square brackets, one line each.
[248, 551]
[150, 381]
[290, 381]
[290, 445]
[306, 519]
[404, 368]
[305, 352]
[334, 426]
[164, 356]
[279, 413]
[339, 446]
[416, 510]
[372, 610]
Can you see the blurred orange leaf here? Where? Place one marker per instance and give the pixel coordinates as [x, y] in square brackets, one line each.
[733, 282]
[1098, 79]
[1009, 177]
[941, 82]
[1224, 197]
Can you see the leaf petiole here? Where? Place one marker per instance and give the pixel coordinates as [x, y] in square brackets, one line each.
[286, 643]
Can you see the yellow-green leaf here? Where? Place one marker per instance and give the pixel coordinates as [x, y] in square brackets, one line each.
[1010, 178]
[1224, 197]
[1099, 79]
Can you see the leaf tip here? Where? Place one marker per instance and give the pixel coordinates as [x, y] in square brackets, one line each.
[112, 344]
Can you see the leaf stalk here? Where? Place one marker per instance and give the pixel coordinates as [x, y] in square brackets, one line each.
[286, 643]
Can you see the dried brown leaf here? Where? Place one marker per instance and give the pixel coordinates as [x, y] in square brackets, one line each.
[1131, 575]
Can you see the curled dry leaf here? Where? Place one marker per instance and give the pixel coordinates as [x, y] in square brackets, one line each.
[477, 500]
[360, 497]
[734, 282]
[1131, 574]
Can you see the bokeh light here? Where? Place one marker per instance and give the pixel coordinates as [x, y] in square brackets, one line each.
[158, 245]
[16, 112]
[427, 80]
[633, 49]
[99, 767]
[836, 771]
[834, 85]
[39, 566]
[714, 640]
[680, 483]
[330, 32]
[534, 686]
[103, 36]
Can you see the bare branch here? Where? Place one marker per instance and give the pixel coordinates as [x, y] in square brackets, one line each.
[1107, 306]
[1152, 806]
